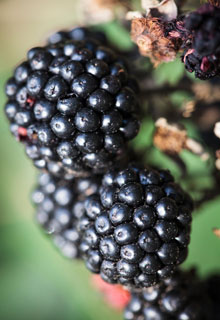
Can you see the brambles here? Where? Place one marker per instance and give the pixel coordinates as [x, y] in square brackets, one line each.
[137, 230]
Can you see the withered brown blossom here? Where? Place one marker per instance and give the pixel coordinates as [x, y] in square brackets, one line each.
[173, 138]
[156, 39]
[169, 138]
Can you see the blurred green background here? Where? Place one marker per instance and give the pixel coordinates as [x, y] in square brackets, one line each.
[36, 282]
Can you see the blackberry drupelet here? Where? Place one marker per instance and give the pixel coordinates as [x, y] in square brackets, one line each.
[181, 297]
[137, 229]
[58, 207]
[72, 104]
[202, 55]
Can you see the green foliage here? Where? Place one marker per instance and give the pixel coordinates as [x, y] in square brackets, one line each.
[179, 97]
[117, 34]
[169, 73]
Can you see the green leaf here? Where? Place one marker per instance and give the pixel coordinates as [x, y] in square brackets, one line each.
[117, 34]
[169, 73]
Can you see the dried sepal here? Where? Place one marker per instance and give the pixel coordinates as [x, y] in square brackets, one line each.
[173, 138]
[152, 39]
[169, 138]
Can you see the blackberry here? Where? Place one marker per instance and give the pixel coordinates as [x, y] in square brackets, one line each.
[203, 42]
[72, 104]
[137, 229]
[180, 297]
[204, 67]
[204, 23]
[59, 205]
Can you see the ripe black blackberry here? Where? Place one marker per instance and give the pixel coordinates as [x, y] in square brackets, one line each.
[203, 44]
[58, 207]
[182, 297]
[137, 229]
[72, 104]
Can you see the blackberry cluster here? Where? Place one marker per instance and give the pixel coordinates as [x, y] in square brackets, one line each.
[137, 229]
[59, 205]
[203, 53]
[72, 104]
[181, 297]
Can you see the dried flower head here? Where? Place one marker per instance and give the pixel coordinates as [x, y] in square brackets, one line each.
[169, 138]
[154, 40]
[173, 138]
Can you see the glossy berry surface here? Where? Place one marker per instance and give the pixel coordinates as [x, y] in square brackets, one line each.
[75, 91]
[180, 297]
[59, 206]
[137, 229]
